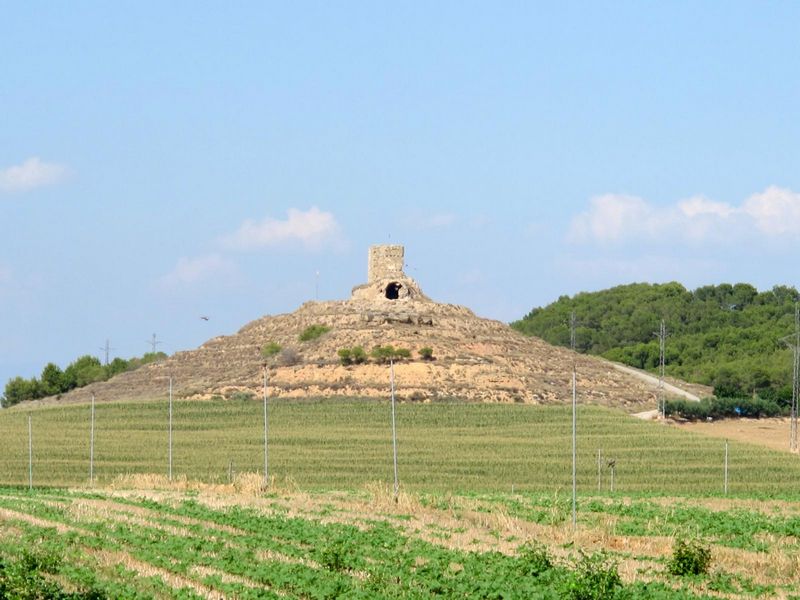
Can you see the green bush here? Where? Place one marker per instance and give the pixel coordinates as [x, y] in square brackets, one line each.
[689, 558]
[358, 355]
[345, 356]
[534, 558]
[722, 408]
[594, 577]
[382, 354]
[354, 355]
[312, 332]
[270, 349]
[426, 353]
[241, 396]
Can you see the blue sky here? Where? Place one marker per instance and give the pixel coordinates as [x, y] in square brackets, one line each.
[163, 161]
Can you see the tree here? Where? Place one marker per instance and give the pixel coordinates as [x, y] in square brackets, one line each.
[19, 390]
[52, 380]
[84, 370]
[117, 366]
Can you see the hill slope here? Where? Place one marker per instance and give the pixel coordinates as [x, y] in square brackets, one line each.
[725, 335]
[474, 359]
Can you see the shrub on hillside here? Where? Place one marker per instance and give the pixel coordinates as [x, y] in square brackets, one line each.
[382, 354]
[288, 357]
[358, 355]
[312, 332]
[689, 558]
[426, 353]
[345, 356]
[721, 408]
[270, 349]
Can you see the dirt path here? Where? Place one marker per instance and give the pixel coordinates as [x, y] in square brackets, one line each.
[668, 387]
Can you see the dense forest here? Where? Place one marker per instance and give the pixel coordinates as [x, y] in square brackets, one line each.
[726, 336]
[80, 372]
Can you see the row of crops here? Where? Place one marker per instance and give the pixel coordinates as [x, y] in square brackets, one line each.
[343, 444]
[94, 545]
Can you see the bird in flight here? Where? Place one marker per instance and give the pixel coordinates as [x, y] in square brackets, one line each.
[205, 318]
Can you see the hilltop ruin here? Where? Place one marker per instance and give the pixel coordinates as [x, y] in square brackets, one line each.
[473, 359]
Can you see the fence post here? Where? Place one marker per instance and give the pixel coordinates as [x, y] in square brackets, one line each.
[30, 455]
[394, 434]
[266, 431]
[169, 452]
[91, 446]
[726, 468]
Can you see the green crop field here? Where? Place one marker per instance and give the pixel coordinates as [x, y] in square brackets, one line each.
[328, 525]
[343, 444]
[167, 544]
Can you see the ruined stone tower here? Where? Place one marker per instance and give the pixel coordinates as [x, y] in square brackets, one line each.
[385, 277]
[385, 262]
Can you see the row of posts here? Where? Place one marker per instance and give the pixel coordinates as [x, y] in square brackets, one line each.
[611, 463]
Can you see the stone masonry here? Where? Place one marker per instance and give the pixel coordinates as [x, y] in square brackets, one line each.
[385, 262]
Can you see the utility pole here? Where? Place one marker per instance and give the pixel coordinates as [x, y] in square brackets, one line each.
[316, 286]
[793, 342]
[107, 348]
[154, 343]
[662, 336]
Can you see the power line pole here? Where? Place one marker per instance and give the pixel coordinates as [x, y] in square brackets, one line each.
[793, 342]
[153, 343]
[107, 349]
[662, 336]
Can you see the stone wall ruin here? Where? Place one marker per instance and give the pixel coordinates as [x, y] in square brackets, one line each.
[385, 262]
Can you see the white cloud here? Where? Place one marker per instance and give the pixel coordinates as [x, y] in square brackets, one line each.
[776, 211]
[614, 218]
[190, 271]
[311, 228]
[31, 174]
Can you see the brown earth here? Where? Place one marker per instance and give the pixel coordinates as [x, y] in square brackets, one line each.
[475, 359]
[771, 433]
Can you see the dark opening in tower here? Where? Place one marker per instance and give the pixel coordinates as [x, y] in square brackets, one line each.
[393, 290]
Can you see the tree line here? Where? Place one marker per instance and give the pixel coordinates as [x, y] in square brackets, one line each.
[80, 372]
[726, 336]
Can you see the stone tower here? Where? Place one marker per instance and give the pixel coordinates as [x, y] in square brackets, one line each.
[386, 280]
[385, 262]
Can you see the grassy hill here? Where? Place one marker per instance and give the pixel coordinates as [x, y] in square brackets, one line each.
[726, 336]
[345, 444]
